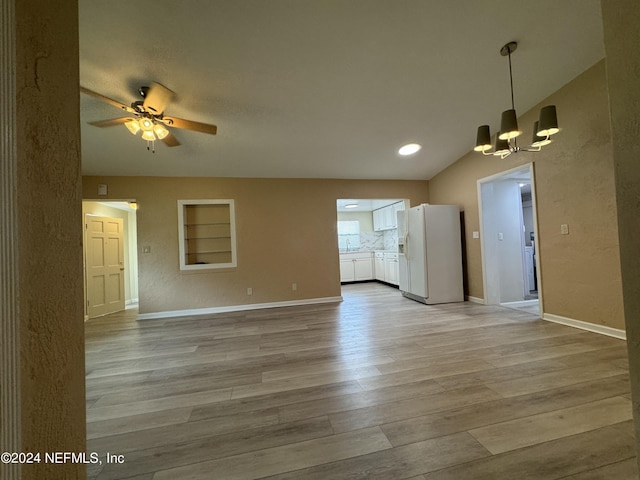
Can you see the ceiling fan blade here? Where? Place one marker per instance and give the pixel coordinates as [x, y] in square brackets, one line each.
[111, 122]
[190, 125]
[157, 99]
[170, 140]
[108, 100]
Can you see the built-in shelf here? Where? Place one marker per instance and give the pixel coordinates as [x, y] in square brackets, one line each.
[206, 231]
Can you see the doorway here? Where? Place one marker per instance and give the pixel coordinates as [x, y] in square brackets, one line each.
[508, 230]
[112, 286]
[367, 240]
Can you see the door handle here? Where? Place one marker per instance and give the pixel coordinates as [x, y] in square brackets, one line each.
[121, 268]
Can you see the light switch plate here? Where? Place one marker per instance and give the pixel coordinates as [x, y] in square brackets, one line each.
[476, 234]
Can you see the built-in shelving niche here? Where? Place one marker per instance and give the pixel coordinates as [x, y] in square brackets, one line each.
[207, 234]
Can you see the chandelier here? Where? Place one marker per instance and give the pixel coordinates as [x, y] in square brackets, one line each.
[506, 139]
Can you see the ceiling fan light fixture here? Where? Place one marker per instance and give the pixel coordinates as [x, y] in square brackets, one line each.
[146, 124]
[160, 131]
[148, 135]
[133, 126]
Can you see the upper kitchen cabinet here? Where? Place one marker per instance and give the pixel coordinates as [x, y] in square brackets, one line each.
[385, 218]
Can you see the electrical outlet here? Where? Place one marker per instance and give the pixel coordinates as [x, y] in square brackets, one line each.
[249, 291]
[294, 286]
[476, 234]
[564, 229]
[500, 236]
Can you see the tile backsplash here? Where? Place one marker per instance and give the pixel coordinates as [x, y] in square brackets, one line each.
[371, 241]
[387, 240]
[390, 240]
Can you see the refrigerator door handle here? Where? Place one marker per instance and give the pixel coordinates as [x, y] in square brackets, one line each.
[406, 245]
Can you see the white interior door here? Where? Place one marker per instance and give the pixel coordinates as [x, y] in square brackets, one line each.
[104, 265]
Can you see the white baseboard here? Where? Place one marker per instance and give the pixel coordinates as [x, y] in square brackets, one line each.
[592, 327]
[131, 301]
[521, 303]
[237, 308]
[475, 299]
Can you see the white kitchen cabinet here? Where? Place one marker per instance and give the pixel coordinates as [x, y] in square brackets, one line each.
[385, 218]
[391, 268]
[388, 216]
[363, 269]
[356, 267]
[378, 220]
[347, 271]
[378, 266]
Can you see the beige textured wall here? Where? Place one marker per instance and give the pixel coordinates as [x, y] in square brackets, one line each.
[574, 185]
[621, 21]
[286, 232]
[50, 235]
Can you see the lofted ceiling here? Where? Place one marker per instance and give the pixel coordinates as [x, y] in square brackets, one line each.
[322, 88]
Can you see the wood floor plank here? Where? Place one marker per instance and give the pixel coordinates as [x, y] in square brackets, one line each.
[184, 432]
[357, 400]
[550, 380]
[542, 427]
[219, 446]
[276, 399]
[494, 412]
[376, 386]
[294, 456]
[97, 413]
[133, 423]
[398, 463]
[548, 461]
[412, 407]
[624, 470]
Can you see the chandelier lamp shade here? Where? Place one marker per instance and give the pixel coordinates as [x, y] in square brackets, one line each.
[506, 141]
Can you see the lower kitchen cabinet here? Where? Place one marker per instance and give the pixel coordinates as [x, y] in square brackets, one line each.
[391, 268]
[379, 266]
[386, 267]
[356, 267]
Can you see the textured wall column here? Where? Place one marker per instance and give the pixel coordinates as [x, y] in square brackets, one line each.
[621, 21]
[9, 318]
[41, 240]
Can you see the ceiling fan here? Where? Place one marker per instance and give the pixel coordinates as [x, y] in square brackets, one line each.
[147, 116]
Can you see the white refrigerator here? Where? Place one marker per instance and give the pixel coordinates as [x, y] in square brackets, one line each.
[430, 254]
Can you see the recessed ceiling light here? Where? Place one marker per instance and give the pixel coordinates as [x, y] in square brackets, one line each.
[351, 205]
[409, 149]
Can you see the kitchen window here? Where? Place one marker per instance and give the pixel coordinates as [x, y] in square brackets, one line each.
[348, 235]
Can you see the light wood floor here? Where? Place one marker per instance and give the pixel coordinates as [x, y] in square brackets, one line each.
[376, 387]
